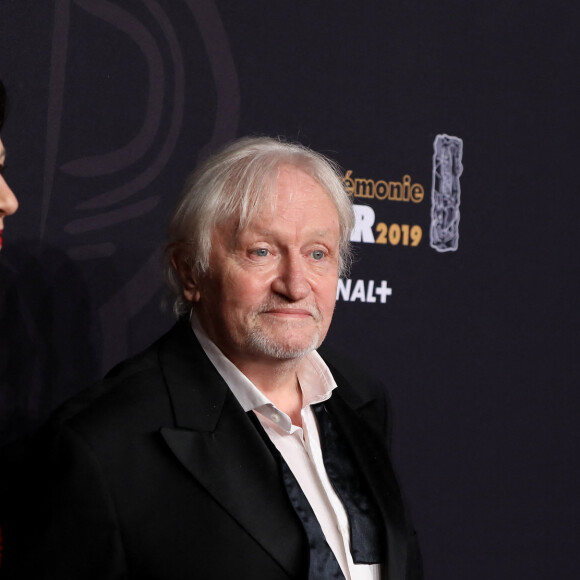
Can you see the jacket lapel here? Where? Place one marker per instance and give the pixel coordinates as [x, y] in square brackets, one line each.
[220, 447]
[217, 443]
[353, 417]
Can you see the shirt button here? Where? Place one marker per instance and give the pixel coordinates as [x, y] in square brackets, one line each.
[275, 417]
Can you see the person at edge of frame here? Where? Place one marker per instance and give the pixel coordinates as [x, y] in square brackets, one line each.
[8, 206]
[8, 201]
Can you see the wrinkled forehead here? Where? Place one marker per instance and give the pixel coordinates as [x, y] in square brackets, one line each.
[288, 212]
[278, 189]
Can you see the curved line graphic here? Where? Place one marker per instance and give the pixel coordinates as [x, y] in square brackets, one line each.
[91, 251]
[113, 161]
[146, 177]
[55, 104]
[224, 72]
[111, 218]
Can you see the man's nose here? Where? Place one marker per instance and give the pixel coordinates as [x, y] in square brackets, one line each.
[8, 201]
[292, 281]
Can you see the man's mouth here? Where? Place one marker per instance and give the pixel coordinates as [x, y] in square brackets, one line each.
[299, 312]
[292, 312]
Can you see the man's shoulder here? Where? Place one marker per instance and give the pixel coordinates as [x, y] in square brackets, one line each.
[359, 389]
[351, 377]
[134, 387]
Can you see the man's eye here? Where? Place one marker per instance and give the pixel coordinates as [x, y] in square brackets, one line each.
[261, 252]
[318, 254]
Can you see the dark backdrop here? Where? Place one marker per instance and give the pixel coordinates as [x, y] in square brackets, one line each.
[113, 102]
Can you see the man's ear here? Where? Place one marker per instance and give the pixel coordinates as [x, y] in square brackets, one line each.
[186, 274]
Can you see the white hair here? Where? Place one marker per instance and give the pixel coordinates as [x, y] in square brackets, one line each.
[236, 183]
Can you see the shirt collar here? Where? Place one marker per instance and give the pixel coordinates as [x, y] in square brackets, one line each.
[314, 376]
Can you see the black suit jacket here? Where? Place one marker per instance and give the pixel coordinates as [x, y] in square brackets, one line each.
[157, 472]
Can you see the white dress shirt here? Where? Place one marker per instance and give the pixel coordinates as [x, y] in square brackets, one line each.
[299, 446]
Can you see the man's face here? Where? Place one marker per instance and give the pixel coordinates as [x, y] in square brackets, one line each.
[8, 202]
[270, 290]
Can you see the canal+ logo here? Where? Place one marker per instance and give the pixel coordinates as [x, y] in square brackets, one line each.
[363, 291]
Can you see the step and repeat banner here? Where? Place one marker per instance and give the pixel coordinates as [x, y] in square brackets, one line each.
[457, 128]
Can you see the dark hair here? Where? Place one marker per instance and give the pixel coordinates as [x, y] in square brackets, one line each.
[2, 104]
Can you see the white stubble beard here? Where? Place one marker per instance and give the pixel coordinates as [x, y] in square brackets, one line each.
[260, 342]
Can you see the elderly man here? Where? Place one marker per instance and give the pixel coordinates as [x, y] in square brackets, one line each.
[230, 448]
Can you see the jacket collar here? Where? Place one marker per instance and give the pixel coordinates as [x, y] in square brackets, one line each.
[218, 444]
[354, 415]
